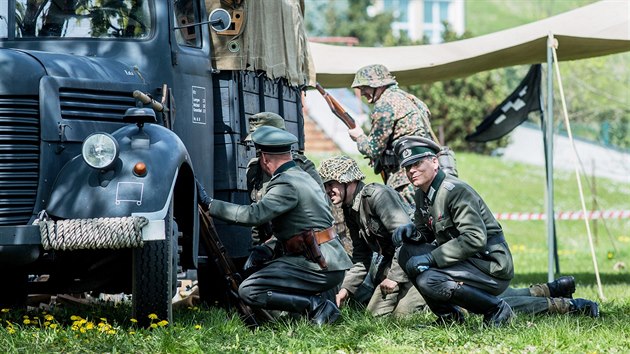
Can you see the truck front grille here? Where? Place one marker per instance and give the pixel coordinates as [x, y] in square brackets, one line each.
[19, 158]
[94, 105]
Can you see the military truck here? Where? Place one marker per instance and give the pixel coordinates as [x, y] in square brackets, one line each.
[98, 185]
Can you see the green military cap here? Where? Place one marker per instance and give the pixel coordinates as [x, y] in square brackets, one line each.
[264, 119]
[410, 149]
[272, 140]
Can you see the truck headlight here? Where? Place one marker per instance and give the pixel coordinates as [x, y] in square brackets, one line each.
[100, 150]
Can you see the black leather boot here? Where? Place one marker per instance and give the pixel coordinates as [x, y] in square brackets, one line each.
[447, 314]
[318, 310]
[495, 311]
[562, 287]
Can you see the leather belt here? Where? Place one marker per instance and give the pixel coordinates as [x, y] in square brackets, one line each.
[325, 235]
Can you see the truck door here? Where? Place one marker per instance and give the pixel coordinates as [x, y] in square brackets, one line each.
[192, 86]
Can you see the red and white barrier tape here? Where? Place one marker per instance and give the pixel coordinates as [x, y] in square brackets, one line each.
[566, 215]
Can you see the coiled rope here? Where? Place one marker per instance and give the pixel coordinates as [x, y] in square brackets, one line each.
[101, 233]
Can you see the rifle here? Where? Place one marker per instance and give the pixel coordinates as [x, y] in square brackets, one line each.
[218, 253]
[336, 108]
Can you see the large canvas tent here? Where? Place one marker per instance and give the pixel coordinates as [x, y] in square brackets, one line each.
[598, 29]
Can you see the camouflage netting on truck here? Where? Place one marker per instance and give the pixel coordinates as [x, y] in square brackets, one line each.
[272, 39]
[101, 233]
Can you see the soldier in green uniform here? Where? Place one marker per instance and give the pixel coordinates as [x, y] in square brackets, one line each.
[372, 212]
[257, 180]
[309, 259]
[465, 260]
[396, 114]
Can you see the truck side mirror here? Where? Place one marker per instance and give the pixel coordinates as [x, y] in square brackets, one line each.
[219, 20]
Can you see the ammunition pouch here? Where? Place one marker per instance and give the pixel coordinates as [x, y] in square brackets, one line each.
[387, 162]
[307, 244]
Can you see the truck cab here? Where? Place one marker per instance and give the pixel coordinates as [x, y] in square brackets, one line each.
[98, 185]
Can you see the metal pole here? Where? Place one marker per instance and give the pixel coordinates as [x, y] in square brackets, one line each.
[549, 161]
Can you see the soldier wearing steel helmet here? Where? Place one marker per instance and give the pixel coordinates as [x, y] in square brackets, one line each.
[308, 258]
[396, 114]
[372, 212]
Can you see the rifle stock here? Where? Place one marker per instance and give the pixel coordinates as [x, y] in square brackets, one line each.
[336, 107]
[218, 254]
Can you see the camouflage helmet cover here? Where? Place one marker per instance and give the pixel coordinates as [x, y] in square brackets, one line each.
[375, 75]
[342, 169]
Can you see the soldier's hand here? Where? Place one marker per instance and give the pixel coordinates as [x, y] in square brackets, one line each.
[387, 286]
[355, 133]
[418, 264]
[403, 232]
[341, 297]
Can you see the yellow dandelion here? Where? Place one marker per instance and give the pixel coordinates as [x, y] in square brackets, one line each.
[197, 326]
[162, 323]
[49, 317]
[53, 325]
[46, 323]
[5, 310]
[89, 325]
[11, 330]
[74, 327]
[75, 318]
[133, 320]
[101, 325]
[26, 321]
[111, 331]
[153, 325]
[82, 330]
[132, 332]
[25, 316]
[153, 316]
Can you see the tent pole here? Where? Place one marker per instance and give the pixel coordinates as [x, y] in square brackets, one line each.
[549, 161]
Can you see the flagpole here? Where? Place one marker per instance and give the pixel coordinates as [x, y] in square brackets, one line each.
[551, 42]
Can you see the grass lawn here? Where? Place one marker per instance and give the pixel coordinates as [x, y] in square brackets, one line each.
[507, 187]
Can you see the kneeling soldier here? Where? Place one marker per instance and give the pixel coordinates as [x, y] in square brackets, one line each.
[372, 212]
[462, 259]
[311, 259]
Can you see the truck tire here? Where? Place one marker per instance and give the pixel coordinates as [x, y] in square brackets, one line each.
[155, 276]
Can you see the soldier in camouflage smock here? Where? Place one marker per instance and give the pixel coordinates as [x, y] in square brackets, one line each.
[372, 212]
[257, 180]
[396, 114]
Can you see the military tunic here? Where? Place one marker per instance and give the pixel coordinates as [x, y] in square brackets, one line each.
[375, 213]
[396, 114]
[257, 182]
[293, 202]
[470, 243]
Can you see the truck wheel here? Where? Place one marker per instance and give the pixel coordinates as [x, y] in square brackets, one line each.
[155, 276]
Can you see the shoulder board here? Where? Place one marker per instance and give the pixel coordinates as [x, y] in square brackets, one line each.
[368, 190]
[448, 185]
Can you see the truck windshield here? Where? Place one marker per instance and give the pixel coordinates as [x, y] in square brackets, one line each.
[78, 19]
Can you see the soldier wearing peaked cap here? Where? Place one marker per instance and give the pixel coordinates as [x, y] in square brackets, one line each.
[257, 180]
[307, 258]
[469, 262]
[453, 216]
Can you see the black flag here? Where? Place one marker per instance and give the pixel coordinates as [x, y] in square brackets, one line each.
[513, 110]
